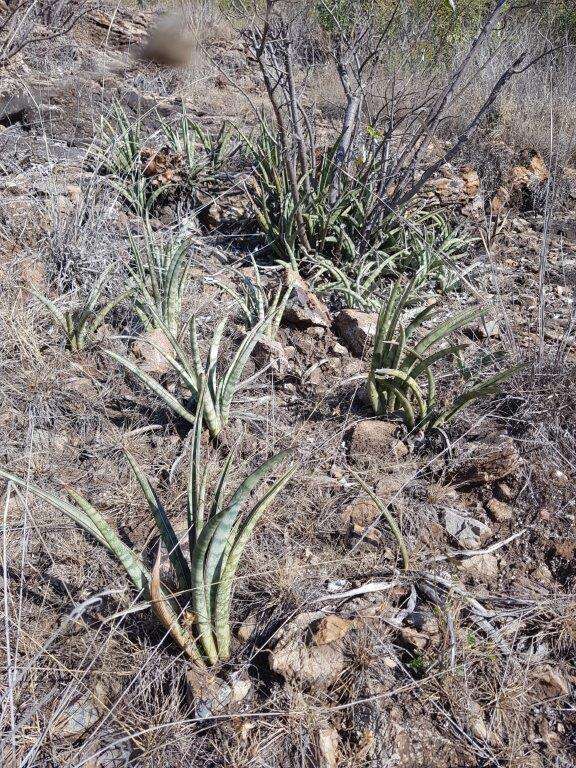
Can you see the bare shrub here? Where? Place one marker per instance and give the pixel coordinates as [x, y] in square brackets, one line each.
[26, 22]
[537, 110]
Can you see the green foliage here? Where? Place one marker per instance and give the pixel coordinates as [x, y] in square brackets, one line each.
[217, 535]
[82, 323]
[160, 273]
[335, 228]
[192, 157]
[397, 370]
[259, 306]
[203, 154]
[196, 377]
[349, 250]
[386, 514]
[451, 20]
[417, 665]
[355, 287]
[430, 252]
[120, 143]
[454, 20]
[563, 17]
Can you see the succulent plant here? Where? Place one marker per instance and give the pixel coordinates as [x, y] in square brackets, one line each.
[204, 566]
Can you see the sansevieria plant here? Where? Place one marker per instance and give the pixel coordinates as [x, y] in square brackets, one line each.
[401, 377]
[257, 304]
[204, 560]
[81, 323]
[196, 375]
[160, 273]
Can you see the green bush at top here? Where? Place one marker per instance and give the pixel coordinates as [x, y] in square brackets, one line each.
[454, 22]
[563, 17]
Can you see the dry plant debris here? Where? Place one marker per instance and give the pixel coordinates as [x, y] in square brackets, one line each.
[277, 248]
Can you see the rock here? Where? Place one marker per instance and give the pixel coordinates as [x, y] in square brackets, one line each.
[373, 438]
[361, 512]
[311, 665]
[210, 215]
[357, 330]
[525, 181]
[304, 308]
[270, 352]
[468, 532]
[477, 721]
[339, 349]
[210, 694]
[554, 680]
[18, 108]
[469, 176]
[486, 461]
[331, 628]
[487, 329]
[247, 628]
[500, 511]
[358, 533]
[328, 748]
[124, 26]
[415, 639]
[500, 201]
[33, 274]
[149, 347]
[542, 574]
[504, 491]
[117, 755]
[421, 631]
[79, 716]
[318, 667]
[481, 566]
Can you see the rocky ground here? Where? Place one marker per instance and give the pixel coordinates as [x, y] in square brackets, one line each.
[340, 657]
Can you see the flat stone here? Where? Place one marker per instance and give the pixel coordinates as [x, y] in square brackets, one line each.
[500, 511]
[467, 531]
[304, 308]
[481, 566]
[149, 347]
[375, 438]
[357, 330]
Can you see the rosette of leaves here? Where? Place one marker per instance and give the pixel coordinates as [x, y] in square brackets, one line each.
[204, 561]
[257, 303]
[402, 378]
[160, 274]
[196, 376]
[81, 323]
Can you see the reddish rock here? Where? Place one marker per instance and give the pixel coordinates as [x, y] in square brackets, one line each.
[304, 308]
[374, 438]
[357, 330]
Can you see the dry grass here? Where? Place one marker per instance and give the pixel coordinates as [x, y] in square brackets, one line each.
[72, 628]
[536, 110]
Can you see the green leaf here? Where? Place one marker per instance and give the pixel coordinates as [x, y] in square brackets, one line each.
[164, 526]
[152, 384]
[226, 579]
[228, 517]
[90, 520]
[385, 513]
[51, 307]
